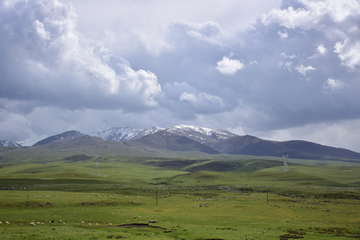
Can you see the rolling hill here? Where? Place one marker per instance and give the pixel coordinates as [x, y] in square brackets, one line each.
[250, 145]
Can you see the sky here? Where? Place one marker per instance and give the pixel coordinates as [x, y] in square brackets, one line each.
[279, 70]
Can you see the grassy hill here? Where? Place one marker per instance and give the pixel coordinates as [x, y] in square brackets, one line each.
[190, 198]
[249, 145]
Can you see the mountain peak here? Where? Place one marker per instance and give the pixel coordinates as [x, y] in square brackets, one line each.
[62, 136]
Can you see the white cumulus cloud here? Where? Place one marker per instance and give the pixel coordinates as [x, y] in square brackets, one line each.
[229, 66]
[201, 98]
[312, 14]
[321, 49]
[283, 35]
[304, 70]
[349, 53]
[333, 85]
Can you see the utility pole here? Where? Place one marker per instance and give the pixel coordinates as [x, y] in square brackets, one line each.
[97, 168]
[286, 167]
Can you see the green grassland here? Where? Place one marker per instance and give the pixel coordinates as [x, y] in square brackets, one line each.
[191, 198]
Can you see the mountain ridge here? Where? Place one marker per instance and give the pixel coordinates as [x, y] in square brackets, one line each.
[188, 138]
[200, 134]
[62, 136]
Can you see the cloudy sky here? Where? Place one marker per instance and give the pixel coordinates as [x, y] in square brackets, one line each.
[274, 69]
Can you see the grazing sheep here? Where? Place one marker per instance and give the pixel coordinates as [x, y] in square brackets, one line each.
[152, 221]
[0, 222]
[32, 224]
[7, 222]
[89, 224]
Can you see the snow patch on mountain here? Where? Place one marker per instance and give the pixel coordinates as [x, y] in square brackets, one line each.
[117, 134]
[200, 134]
[121, 134]
[9, 143]
[147, 131]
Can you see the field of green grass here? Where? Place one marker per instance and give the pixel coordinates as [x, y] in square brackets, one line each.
[189, 199]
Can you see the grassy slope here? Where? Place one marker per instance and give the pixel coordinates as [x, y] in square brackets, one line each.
[191, 205]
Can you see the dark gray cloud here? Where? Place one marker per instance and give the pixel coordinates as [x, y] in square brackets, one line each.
[294, 69]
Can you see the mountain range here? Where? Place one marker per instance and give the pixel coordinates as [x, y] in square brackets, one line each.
[192, 139]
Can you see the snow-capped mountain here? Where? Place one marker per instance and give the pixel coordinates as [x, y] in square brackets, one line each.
[195, 139]
[117, 134]
[120, 134]
[200, 134]
[147, 131]
[9, 143]
[31, 141]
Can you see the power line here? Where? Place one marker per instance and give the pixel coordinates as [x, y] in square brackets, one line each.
[97, 173]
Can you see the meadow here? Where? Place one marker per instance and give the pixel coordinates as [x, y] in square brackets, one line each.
[178, 198]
